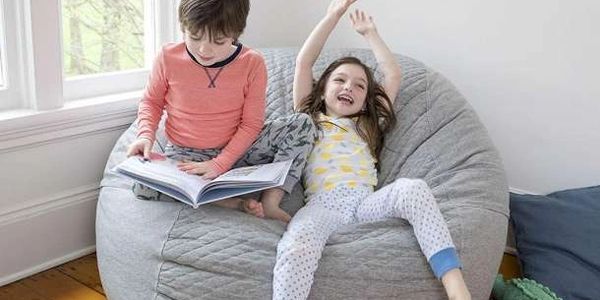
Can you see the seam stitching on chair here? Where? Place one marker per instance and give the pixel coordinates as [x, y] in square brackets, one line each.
[162, 252]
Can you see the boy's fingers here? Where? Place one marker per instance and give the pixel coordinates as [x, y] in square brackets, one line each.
[147, 152]
[209, 175]
[132, 150]
[187, 167]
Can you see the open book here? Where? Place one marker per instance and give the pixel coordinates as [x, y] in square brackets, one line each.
[164, 176]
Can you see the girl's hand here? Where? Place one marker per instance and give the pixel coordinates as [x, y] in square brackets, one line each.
[140, 146]
[362, 23]
[203, 168]
[339, 7]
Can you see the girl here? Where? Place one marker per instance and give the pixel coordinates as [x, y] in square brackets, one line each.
[353, 112]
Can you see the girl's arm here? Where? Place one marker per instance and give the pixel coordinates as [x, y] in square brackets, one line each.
[364, 25]
[303, 77]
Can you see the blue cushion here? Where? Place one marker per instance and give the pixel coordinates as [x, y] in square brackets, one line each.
[558, 240]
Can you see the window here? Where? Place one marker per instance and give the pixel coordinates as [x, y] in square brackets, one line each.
[102, 36]
[10, 61]
[1, 63]
[55, 51]
[2, 51]
[104, 46]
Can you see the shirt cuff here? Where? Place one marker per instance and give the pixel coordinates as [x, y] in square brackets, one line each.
[217, 166]
[444, 261]
[147, 136]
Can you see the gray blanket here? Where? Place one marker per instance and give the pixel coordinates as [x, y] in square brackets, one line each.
[216, 253]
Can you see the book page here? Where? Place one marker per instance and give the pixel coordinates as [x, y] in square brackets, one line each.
[226, 189]
[165, 172]
[260, 173]
[165, 176]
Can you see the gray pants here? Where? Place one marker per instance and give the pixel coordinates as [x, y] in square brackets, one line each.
[285, 138]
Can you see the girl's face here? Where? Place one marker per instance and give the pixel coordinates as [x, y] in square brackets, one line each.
[208, 52]
[345, 91]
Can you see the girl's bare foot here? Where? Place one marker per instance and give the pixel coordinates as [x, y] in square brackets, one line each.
[455, 286]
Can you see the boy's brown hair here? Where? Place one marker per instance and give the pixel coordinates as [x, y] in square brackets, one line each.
[214, 17]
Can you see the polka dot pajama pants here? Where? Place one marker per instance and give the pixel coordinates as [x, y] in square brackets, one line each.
[301, 246]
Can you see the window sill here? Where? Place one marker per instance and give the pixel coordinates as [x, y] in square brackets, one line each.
[21, 128]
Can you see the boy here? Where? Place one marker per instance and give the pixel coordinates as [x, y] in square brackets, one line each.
[213, 90]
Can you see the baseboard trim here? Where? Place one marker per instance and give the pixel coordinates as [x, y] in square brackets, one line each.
[47, 265]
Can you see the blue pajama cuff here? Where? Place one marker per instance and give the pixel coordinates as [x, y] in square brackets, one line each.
[444, 261]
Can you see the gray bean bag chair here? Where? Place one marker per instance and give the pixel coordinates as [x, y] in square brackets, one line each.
[167, 250]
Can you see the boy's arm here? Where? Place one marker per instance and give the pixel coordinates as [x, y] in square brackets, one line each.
[364, 25]
[312, 47]
[151, 106]
[252, 122]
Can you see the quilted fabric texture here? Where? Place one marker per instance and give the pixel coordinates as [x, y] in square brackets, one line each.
[215, 253]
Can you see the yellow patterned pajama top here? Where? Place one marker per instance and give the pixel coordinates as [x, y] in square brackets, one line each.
[339, 157]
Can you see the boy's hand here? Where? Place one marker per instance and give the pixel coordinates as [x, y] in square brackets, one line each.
[140, 146]
[203, 168]
[339, 7]
[362, 23]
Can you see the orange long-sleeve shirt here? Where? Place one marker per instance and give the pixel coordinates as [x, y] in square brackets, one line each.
[228, 115]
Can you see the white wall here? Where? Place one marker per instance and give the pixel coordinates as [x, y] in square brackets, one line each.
[529, 68]
[526, 67]
[49, 185]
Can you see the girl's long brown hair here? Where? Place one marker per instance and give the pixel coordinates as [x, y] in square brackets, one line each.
[372, 123]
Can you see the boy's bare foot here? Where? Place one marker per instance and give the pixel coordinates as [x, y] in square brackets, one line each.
[249, 206]
[274, 212]
[267, 208]
[252, 207]
[270, 200]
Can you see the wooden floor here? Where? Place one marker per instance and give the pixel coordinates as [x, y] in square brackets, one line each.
[79, 280]
[75, 280]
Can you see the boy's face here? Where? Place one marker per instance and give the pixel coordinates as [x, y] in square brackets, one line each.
[345, 91]
[208, 52]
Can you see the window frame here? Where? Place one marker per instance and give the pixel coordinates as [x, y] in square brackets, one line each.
[3, 82]
[13, 93]
[34, 58]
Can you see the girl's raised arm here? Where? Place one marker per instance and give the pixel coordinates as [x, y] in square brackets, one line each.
[364, 25]
[312, 47]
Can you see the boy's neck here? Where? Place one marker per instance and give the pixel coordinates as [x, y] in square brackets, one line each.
[236, 49]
